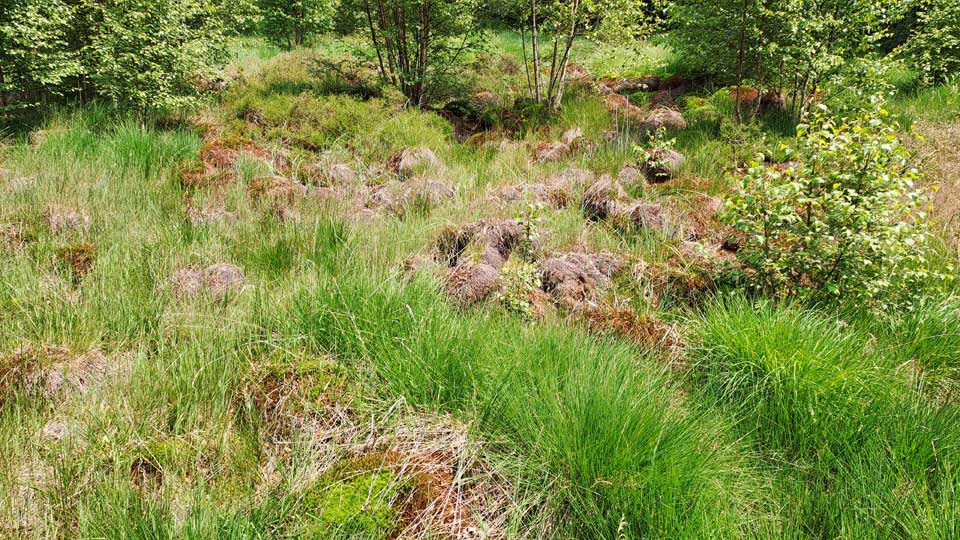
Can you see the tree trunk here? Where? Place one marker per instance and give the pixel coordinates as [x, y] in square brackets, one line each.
[559, 78]
[422, 55]
[387, 41]
[538, 89]
[741, 51]
[526, 65]
[376, 42]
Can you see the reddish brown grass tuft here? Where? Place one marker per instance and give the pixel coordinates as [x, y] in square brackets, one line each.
[646, 330]
[80, 258]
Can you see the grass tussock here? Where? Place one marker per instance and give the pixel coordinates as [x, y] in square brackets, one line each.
[839, 430]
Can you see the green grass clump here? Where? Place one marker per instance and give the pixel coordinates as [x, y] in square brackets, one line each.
[922, 344]
[855, 452]
[597, 423]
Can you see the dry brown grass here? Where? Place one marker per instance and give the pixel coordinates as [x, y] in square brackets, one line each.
[940, 155]
[79, 258]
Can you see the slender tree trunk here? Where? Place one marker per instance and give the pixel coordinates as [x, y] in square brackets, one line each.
[526, 65]
[3, 94]
[422, 57]
[376, 42]
[553, 69]
[558, 80]
[387, 41]
[741, 51]
[538, 89]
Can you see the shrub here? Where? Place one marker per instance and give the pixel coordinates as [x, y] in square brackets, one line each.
[151, 54]
[520, 279]
[844, 222]
[34, 56]
[935, 46]
[419, 63]
[289, 23]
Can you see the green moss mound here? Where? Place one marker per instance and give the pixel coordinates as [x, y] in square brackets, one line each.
[361, 507]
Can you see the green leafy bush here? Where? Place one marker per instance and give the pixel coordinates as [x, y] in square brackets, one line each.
[34, 52]
[520, 279]
[151, 54]
[935, 45]
[795, 45]
[844, 221]
[289, 23]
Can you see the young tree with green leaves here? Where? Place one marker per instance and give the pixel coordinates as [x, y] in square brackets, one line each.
[149, 51]
[148, 54]
[847, 222]
[419, 43]
[935, 43]
[289, 23]
[557, 23]
[36, 58]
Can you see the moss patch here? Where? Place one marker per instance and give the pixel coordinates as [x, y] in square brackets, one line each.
[362, 507]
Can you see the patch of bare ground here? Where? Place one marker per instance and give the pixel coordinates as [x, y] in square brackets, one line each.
[15, 183]
[79, 259]
[474, 253]
[325, 172]
[606, 200]
[574, 279]
[27, 508]
[12, 236]
[675, 281]
[491, 240]
[410, 160]
[470, 284]
[279, 195]
[421, 193]
[940, 155]
[570, 142]
[207, 215]
[218, 281]
[214, 165]
[646, 120]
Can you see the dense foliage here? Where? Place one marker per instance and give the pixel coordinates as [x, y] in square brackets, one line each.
[146, 53]
[289, 23]
[935, 45]
[844, 221]
[793, 45]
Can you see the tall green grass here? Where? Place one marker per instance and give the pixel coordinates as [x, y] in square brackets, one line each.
[855, 452]
[598, 426]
